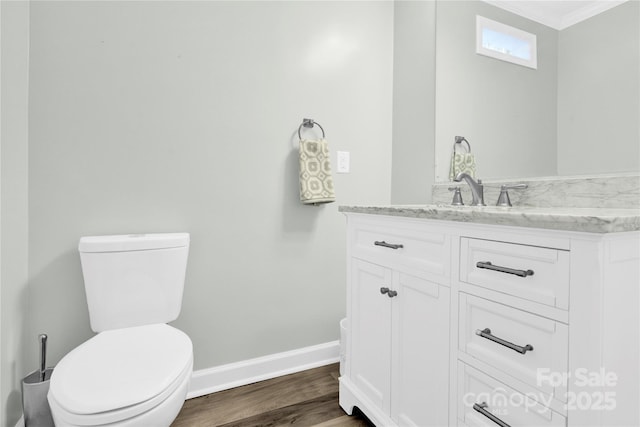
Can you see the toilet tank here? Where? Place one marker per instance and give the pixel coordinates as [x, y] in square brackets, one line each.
[133, 280]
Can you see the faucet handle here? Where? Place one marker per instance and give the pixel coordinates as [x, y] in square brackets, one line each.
[457, 196]
[503, 199]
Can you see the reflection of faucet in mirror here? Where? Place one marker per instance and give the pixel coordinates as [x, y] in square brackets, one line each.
[477, 189]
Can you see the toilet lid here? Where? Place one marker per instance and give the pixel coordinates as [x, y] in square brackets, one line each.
[120, 368]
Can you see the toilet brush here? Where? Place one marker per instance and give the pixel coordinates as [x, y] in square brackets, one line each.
[35, 387]
[43, 356]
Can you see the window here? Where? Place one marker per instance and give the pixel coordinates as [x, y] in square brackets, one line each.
[506, 43]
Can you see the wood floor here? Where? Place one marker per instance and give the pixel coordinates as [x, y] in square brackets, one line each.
[305, 399]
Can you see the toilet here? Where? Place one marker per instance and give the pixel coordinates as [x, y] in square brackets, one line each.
[136, 370]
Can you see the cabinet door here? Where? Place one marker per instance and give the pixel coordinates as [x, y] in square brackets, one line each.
[370, 324]
[420, 369]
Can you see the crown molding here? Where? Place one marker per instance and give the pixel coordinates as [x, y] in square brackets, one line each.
[539, 12]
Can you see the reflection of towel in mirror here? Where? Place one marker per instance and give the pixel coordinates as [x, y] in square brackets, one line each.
[462, 162]
[316, 182]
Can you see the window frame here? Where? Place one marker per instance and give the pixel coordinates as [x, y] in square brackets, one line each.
[486, 23]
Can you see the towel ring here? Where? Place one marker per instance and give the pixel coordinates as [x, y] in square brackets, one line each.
[309, 123]
[460, 140]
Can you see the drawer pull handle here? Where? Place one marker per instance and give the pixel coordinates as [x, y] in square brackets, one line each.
[388, 245]
[481, 407]
[489, 266]
[389, 292]
[486, 333]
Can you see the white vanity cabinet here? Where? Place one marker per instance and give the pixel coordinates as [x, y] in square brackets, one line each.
[455, 323]
[398, 359]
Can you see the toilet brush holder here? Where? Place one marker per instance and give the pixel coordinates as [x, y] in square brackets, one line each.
[35, 387]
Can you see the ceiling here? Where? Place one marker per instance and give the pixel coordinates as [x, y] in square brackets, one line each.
[558, 14]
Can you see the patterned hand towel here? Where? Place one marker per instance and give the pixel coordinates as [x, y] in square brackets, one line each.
[316, 182]
[462, 162]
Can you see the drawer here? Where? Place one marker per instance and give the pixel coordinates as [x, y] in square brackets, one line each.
[479, 392]
[523, 345]
[394, 244]
[530, 272]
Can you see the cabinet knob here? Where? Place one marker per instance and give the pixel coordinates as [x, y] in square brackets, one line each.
[389, 292]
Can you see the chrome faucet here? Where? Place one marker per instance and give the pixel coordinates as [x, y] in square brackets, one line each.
[477, 189]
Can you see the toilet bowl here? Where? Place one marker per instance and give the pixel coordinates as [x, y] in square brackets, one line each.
[127, 377]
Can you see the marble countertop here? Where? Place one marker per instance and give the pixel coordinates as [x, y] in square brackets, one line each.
[592, 220]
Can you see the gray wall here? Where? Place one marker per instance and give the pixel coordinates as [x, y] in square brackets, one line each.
[605, 117]
[485, 99]
[413, 101]
[15, 360]
[182, 116]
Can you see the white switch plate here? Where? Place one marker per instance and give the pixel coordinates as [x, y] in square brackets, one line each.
[343, 161]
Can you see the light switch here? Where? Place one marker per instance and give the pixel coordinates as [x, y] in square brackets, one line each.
[343, 161]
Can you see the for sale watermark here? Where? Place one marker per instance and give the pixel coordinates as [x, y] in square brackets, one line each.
[587, 390]
[581, 377]
[584, 390]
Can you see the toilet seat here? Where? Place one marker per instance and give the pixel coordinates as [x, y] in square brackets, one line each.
[119, 374]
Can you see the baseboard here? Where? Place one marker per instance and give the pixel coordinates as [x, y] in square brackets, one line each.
[211, 380]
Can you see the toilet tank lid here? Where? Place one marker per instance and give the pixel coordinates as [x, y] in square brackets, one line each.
[133, 242]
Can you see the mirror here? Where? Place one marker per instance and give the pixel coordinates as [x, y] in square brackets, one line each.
[577, 113]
